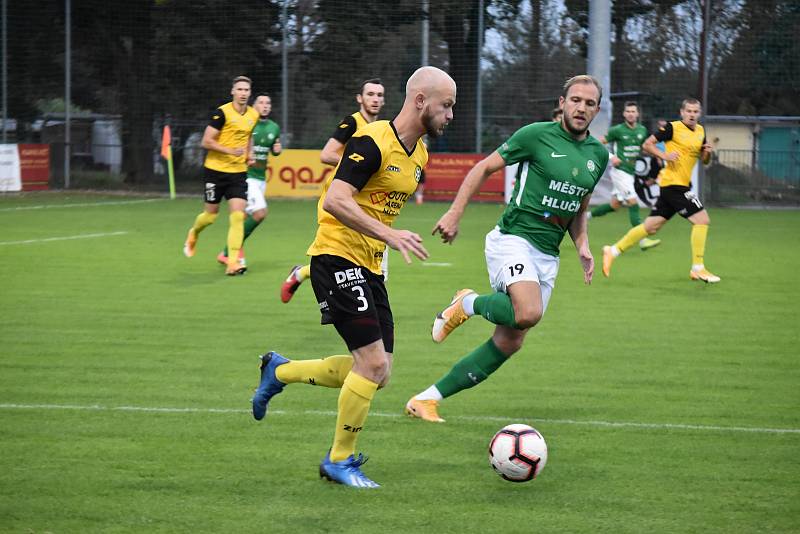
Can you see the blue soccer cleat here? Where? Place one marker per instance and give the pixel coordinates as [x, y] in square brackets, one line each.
[346, 472]
[269, 386]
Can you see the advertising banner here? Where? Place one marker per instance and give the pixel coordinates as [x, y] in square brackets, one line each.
[445, 172]
[34, 162]
[296, 173]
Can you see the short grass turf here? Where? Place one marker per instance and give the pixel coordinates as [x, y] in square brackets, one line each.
[127, 369]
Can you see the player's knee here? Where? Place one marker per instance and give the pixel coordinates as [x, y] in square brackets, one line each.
[527, 316]
[378, 369]
[528, 319]
[259, 215]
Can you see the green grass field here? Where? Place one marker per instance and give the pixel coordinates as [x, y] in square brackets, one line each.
[127, 369]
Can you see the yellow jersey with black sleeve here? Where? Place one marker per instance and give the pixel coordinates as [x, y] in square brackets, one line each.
[349, 125]
[385, 175]
[234, 132]
[688, 143]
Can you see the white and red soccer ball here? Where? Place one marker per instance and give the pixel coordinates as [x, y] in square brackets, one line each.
[518, 453]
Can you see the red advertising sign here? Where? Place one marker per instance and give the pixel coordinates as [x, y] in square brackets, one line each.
[34, 163]
[445, 172]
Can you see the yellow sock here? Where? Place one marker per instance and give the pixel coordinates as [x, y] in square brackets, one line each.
[699, 233]
[634, 235]
[303, 273]
[354, 401]
[235, 236]
[203, 220]
[329, 372]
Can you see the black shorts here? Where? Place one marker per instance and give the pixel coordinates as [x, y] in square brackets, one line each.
[224, 184]
[677, 199]
[354, 300]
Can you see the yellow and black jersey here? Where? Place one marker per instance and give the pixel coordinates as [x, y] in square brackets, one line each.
[234, 132]
[385, 174]
[349, 125]
[688, 143]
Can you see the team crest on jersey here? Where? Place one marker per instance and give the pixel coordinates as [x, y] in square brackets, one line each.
[590, 165]
[418, 173]
[270, 137]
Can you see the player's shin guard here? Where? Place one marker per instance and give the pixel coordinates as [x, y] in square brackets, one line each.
[201, 221]
[472, 369]
[250, 224]
[699, 234]
[633, 215]
[631, 238]
[496, 308]
[329, 372]
[354, 400]
[235, 236]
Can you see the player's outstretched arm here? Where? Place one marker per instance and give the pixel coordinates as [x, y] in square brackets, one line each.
[578, 231]
[339, 202]
[447, 225]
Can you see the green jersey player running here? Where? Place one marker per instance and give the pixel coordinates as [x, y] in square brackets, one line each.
[559, 166]
[627, 138]
[266, 139]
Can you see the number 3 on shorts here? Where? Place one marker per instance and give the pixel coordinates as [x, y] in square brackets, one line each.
[516, 269]
[361, 298]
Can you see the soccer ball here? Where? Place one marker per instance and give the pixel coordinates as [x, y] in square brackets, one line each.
[518, 453]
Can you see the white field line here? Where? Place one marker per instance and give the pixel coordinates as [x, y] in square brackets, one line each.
[65, 238]
[81, 205]
[434, 264]
[328, 413]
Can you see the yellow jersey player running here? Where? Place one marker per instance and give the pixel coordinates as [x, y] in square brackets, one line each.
[377, 174]
[266, 140]
[685, 143]
[370, 98]
[228, 141]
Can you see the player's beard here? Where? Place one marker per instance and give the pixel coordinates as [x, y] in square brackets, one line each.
[430, 127]
[571, 127]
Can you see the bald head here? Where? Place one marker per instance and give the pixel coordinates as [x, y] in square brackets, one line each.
[430, 97]
[429, 80]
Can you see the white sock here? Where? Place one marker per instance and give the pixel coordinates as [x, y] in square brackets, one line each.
[698, 267]
[467, 303]
[432, 393]
[615, 251]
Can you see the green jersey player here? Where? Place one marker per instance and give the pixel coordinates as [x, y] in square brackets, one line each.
[627, 138]
[559, 166]
[266, 139]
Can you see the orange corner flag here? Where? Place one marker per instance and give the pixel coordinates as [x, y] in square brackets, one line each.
[166, 141]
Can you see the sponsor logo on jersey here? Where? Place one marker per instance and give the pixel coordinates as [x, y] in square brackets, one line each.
[377, 197]
[554, 155]
[393, 168]
[355, 156]
[348, 275]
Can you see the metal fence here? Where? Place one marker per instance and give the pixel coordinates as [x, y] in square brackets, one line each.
[127, 67]
[746, 177]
